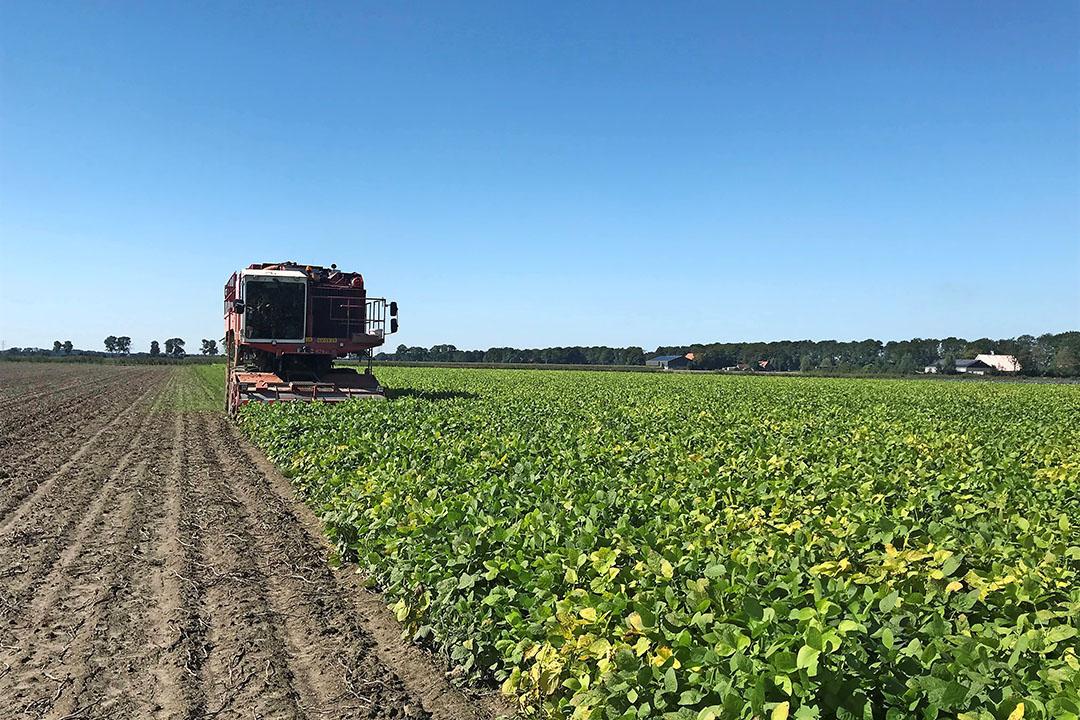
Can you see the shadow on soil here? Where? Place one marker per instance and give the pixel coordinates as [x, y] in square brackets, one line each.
[395, 393]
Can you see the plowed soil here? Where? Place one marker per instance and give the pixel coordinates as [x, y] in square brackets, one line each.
[154, 565]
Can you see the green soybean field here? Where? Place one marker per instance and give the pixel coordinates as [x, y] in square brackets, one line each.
[698, 546]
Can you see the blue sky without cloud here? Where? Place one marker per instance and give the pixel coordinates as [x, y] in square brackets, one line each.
[535, 174]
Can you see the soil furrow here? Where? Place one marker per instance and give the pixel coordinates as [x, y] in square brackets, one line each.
[81, 399]
[152, 564]
[68, 441]
[247, 665]
[19, 396]
[51, 524]
[87, 620]
[34, 422]
[179, 624]
[321, 630]
[114, 492]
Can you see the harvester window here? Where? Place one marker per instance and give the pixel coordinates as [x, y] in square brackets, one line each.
[274, 310]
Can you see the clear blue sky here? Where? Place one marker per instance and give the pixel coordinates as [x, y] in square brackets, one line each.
[535, 174]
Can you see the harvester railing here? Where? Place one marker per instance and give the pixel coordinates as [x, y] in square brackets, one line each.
[376, 317]
[343, 315]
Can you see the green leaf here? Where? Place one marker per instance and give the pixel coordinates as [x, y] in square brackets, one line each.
[784, 661]
[671, 682]
[951, 564]
[807, 658]
[691, 697]
[715, 571]
[626, 660]
[847, 626]
[1060, 632]
[889, 602]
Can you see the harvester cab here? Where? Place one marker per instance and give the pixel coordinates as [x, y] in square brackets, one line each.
[286, 323]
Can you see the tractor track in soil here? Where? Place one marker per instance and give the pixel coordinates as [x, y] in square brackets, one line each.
[154, 565]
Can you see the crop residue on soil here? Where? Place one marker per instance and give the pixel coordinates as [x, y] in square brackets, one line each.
[152, 565]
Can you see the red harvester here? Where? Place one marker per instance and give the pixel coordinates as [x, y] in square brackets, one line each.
[286, 323]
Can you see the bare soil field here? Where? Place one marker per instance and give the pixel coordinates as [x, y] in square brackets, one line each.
[154, 565]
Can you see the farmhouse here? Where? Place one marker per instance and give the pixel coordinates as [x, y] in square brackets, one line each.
[669, 362]
[972, 367]
[1001, 363]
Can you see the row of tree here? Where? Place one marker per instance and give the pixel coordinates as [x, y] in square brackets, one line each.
[1048, 354]
[174, 347]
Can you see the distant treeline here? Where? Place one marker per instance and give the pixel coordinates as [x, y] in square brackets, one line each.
[506, 366]
[597, 355]
[1048, 354]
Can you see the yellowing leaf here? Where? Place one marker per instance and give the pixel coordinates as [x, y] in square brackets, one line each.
[953, 587]
[780, 712]
[588, 614]
[662, 655]
[1018, 712]
[599, 648]
[666, 570]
